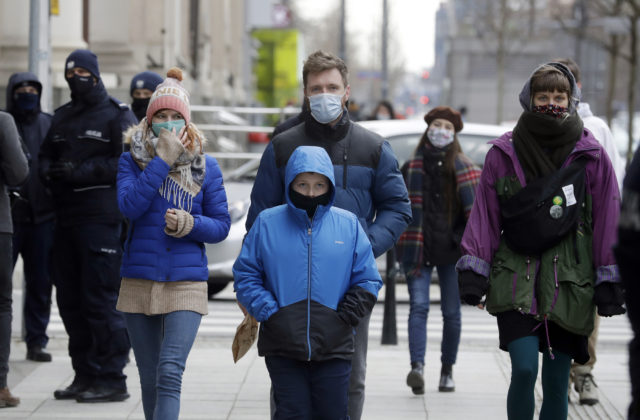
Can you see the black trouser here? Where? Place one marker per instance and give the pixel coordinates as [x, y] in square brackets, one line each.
[33, 242]
[86, 272]
[6, 287]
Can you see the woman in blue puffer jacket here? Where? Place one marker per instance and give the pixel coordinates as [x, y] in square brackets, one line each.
[307, 273]
[173, 197]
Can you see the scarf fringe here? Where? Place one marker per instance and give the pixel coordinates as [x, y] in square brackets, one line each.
[182, 198]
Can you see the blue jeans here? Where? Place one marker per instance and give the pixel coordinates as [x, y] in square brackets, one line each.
[419, 310]
[309, 390]
[161, 344]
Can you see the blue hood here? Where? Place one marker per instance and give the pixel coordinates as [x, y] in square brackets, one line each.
[16, 79]
[574, 97]
[309, 159]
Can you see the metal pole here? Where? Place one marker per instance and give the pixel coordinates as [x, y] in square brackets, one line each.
[40, 49]
[385, 36]
[342, 48]
[389, 330]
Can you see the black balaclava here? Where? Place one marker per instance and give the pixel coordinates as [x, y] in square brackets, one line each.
[139, 107]
[145, 80]
[81, 87]
[309, 204]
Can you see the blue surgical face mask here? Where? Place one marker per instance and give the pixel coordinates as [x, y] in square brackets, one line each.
[325, 107]
[169, 125]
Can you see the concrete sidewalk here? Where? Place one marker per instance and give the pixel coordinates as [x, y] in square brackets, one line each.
[215, 388]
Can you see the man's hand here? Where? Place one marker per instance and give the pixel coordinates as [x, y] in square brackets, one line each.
[60, 170]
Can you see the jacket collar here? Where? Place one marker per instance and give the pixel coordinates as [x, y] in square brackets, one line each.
[587, 145]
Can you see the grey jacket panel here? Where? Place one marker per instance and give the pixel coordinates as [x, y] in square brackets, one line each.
[14, 168]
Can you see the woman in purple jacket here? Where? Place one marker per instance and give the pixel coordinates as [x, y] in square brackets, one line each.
[543, 287]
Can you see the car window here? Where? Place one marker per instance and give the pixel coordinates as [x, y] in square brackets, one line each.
[404, 145]
[475, 146]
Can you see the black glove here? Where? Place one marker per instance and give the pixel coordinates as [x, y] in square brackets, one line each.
[60, 170]
[472, 287]
[609, 298]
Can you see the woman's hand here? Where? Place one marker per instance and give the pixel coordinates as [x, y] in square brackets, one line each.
[171, 219]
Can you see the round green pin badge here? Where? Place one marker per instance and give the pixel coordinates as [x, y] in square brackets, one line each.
[557, 200]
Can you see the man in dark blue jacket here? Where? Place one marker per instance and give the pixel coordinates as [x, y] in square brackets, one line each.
[78, 161]
[32, 212]
[368, 181]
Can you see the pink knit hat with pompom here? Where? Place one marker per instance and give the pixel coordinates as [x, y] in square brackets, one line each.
[170, 94]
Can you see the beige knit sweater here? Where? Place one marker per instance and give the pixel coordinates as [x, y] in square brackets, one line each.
[154, 297]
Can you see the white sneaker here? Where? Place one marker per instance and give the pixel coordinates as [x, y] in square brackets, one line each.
[586, 388]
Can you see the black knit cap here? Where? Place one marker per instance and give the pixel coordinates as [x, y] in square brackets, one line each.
[85, 59]
[446, 113]
[145, 80]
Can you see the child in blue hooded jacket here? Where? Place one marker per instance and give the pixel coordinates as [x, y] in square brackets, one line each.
[307, 273]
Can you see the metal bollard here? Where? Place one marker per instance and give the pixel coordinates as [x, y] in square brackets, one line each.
[389, 330]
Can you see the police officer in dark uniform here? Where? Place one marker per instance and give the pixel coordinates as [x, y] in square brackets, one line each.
[142, 87]
[78, 161]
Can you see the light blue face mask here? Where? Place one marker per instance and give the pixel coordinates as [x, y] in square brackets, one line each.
[325, 107]
[169, 125]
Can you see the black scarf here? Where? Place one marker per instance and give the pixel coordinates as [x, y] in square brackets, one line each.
[319, 131]
[542, 142]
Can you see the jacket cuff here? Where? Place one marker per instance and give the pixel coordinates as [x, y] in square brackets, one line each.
[475, 264]
[609, 273]
[267, 312]
[185, 224]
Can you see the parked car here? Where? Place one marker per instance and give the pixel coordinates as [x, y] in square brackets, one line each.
[403, 136]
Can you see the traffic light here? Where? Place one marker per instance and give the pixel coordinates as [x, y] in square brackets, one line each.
[424, 99]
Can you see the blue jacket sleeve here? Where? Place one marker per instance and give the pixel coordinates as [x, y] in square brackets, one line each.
[248, 275]
[137, 191]
[268, 189]
[391, 201]
[213, 224]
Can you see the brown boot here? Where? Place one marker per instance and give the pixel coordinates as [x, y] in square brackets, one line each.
[8, 400]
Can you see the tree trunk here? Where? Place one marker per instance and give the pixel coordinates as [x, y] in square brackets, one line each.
[500, 56]
[633, 32]
[613, 69]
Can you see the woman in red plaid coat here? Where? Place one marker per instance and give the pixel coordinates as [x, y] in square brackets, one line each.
[441, 182]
